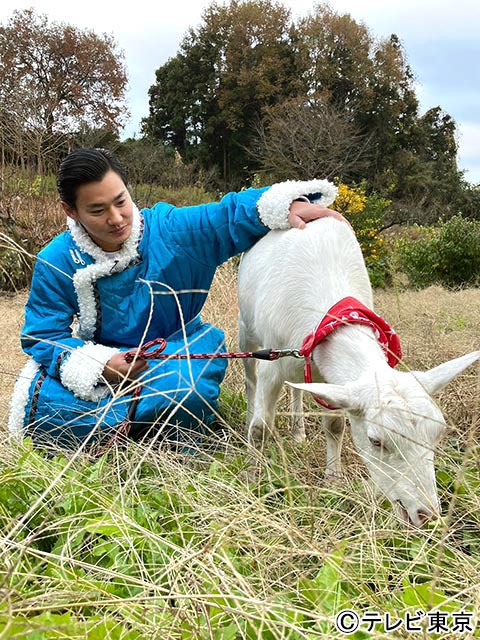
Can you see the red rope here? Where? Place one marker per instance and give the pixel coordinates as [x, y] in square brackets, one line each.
[157, 354]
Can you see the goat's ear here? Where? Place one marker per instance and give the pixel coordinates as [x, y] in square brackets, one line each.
[435, 379]
[337, 395]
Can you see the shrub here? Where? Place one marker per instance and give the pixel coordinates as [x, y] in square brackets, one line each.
[153, 163]
[146, 195]
[447, 254]
[366, 215]
[27, 222]
[28, 184]
[15, 266]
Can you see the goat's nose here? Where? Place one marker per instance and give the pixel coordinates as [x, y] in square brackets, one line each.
[424, 516]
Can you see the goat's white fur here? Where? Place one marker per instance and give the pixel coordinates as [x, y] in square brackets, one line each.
[287, 282]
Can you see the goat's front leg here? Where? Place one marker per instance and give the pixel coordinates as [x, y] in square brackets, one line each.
[298, 421]
[334, 428]
[263, 415]
[247, 343]
[250, 367]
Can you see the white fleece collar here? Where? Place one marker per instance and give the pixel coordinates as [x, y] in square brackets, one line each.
[19, 401]
[105, 264]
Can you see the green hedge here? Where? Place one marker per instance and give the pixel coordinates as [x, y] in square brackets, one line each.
[447, 254]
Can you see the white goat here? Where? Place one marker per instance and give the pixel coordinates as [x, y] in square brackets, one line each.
[287, 283]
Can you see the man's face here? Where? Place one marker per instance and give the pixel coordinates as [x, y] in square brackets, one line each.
[105, 211]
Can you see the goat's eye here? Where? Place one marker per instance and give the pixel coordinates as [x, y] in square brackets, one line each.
[377, 443]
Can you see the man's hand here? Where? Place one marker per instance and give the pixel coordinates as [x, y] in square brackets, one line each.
[302, 212]
[117, 368]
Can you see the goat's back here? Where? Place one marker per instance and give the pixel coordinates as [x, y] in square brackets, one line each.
[289, 279]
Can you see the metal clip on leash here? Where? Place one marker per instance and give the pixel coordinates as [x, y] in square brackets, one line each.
[275, 354]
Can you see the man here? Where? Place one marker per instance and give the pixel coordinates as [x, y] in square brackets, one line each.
[118, 278]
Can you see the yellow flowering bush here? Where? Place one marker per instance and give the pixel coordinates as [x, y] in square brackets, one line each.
[366, 214]
[350, 201]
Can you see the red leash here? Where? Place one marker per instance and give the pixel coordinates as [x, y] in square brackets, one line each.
[263, 354]
[157, 354]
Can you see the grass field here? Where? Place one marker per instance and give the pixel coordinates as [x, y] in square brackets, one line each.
[145, 544]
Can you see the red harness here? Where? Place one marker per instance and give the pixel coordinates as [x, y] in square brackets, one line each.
[350, 310]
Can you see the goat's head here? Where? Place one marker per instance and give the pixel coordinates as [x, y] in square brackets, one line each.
[395, 427]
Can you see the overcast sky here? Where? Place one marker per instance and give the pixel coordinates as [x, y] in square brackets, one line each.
[441, 40]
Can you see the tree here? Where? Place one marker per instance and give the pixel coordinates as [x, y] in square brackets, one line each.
[411, 158]
[335, 57]
[249, 57]
[367, 79]
[425, 183]
[56, 79]
[389, 110]
[301, 138]
[317, 95]
[169, 100]
[207, 99]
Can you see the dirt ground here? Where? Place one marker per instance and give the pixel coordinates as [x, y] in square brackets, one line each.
[11, 356]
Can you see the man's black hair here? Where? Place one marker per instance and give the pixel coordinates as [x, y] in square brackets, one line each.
[83, 166]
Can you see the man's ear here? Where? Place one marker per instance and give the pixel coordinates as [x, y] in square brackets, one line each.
[71, 213]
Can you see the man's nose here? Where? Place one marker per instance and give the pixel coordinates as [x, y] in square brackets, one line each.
[115, 216]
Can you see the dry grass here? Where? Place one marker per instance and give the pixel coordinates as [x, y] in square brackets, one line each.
[11, 356]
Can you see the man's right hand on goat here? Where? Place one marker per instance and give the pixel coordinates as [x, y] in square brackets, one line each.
[302, 212]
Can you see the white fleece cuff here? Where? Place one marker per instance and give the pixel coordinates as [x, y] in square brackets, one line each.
[18, 403]
[82, 371]
[274, 204]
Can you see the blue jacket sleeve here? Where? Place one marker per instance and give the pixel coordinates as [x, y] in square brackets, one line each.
[49, 312]
[213, 233]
